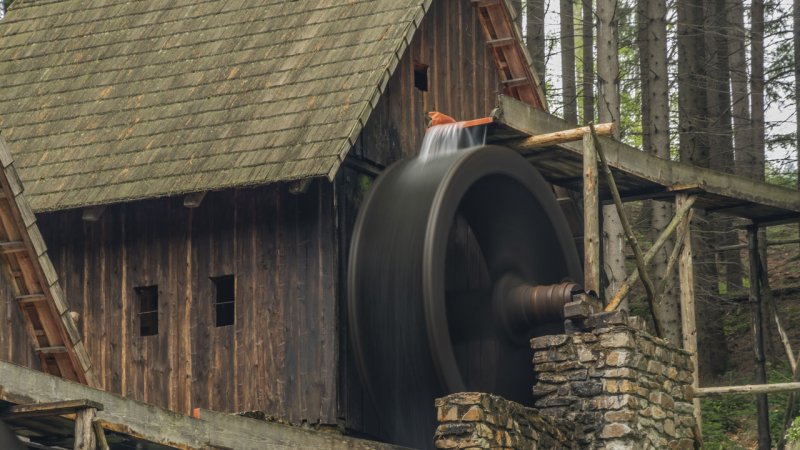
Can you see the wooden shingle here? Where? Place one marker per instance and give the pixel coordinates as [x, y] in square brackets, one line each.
[117, 100]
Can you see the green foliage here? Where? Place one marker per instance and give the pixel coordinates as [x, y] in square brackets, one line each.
[785, 178]
[793, 433]
[719, 423]
[729, 420]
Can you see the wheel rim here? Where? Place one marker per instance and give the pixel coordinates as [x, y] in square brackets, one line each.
[404, 345]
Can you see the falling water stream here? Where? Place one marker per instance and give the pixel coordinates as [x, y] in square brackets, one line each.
[448, 138]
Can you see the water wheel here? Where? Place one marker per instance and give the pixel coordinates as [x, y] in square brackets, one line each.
[456, 262]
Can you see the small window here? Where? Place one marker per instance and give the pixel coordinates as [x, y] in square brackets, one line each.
[224, 298]
[148, 310]
[421, 76]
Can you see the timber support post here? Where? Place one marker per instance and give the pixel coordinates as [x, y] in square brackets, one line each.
[591, 217]
[688, 318]
[85, 437]
[762, 404]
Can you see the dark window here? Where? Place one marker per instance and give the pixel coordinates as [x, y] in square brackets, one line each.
[148, 310]
[420, 76]
[224, 298]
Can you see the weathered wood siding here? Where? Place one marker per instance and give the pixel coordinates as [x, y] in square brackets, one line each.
[15, 345]
[278, 357]
[462, 83]
[285, 354]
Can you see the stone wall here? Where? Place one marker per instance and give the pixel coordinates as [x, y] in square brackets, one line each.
[620, 386]
[484, 421]
[603, 385]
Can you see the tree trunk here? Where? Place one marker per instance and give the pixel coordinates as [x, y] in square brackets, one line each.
[588, 61]
[608, 108]
[655, 128]
[569, 92]
[796, 39]
[720, 128]
[517, 11]
[693, 129]
[740, 99]
[742, 128]
[535, 36]
[755, 158]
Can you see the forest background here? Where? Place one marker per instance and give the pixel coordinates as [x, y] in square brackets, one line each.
[707, 82]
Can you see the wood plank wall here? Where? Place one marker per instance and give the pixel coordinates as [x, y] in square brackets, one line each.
[278, 357]
[282, 355]
[464, 84]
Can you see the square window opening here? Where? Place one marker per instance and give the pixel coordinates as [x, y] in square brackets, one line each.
[421, 76]
[224, 300]
[148, 309]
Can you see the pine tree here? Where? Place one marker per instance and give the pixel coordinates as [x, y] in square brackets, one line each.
[569, 89]
[609, 111]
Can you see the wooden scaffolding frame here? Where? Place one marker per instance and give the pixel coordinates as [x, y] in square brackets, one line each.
[629, 174]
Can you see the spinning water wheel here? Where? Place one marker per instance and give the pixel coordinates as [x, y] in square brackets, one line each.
[456, 262]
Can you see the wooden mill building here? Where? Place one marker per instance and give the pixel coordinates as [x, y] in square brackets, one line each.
[195, 168]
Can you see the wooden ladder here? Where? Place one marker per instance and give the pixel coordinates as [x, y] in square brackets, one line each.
[34, 282]
[505, 42]
[521, 82]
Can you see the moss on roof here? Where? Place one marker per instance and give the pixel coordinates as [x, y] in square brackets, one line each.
[116, 100]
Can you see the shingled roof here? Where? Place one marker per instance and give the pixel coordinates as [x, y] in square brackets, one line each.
[116, 100]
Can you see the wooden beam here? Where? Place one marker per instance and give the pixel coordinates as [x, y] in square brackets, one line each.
[48, 409]
[484, 3]
[561, 137]
[160, 426]
[680, 214]
[12, 247]
[30, 298]
[762, 403]
[363, 165]
[688, 318]
[500, 42]
[650, 170]
[194, 199]
[51, 350]
[632, 241]
[85, 437]
[33, 276]
[93, 213]
[726, 248]
[515, 82]
[100, 436]
[672, 261]
[754, 389]
[591, 218]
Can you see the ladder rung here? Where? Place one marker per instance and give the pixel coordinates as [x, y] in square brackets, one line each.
[502, 42]
[515, 82]
[484, 3]
[31, 298]
[51, 350]
[12, 247]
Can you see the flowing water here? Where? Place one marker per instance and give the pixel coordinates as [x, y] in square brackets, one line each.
[448, 138]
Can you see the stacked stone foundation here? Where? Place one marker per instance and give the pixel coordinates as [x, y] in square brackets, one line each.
[603, 385]
[475, 420]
